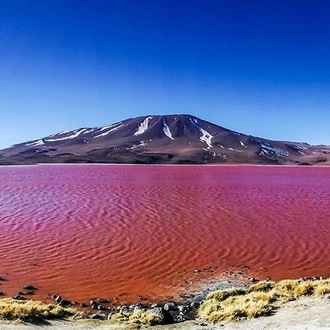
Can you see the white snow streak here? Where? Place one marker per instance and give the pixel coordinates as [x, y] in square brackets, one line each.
[60, 133]
[76, 133]
[143, 126]
[107, 132]
[206, 136]
[166, 130]
[231, 149]
[301, 146]
[35, 143]
[266, 148]
[142, 144]
[89, 131]
[109, 126]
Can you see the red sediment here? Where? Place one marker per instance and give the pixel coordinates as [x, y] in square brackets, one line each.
[130, 231]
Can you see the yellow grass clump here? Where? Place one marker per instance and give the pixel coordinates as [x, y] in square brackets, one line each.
[260, 299]
[138, 317]
[28, 310]
[221, 295]
[263, 286]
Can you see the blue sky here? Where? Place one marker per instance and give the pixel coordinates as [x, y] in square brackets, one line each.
[260, 67]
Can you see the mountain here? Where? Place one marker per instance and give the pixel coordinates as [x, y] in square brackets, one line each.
[171, 139]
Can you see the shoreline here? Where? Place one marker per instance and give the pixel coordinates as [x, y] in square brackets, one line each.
[303, 312]
[195, 284]
[184, 302]
[183, 305]
[171, 165]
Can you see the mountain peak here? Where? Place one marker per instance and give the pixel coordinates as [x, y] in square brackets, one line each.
[163, 139]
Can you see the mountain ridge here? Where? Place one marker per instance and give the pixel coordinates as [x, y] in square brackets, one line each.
[162, 139]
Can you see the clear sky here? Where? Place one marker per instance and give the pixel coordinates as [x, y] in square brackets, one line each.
[260, 67]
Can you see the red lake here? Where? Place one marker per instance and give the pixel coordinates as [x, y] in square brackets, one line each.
[121, 231]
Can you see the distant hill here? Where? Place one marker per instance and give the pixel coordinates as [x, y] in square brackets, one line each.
[170, 139]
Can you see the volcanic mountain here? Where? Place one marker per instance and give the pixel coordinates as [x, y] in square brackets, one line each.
[171, 139]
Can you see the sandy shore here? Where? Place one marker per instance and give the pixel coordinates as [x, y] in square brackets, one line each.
[305, 313]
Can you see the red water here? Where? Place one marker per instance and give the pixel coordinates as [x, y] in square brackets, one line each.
[123, 231]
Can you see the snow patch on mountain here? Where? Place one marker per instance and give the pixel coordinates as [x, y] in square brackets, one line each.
[110, 126]
[301, 146]
[109, 131]
[232, 149]
[89, 130]
[206, 136]
[60, 133]
[267, 148]
[35, 143]
[143, 126]
[75, 134]
[167, 130]
[142, 144]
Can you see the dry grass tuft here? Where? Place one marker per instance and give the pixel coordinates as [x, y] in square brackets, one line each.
[322, 288]
[138, 317]
[145, 317]
[260, 299]
[249, 305]
[221, 295]
[11, 309]
[262, 286]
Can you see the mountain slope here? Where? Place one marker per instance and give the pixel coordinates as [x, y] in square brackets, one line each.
[171, 139]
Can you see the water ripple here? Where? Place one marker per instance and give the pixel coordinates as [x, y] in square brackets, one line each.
[126, 230]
